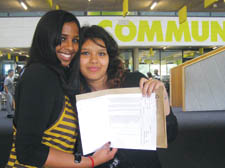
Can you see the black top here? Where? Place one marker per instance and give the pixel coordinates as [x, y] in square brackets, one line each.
[39, 100]
[129, 158]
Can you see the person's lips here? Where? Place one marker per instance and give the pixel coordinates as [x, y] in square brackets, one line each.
[65, 56]
[93, 69]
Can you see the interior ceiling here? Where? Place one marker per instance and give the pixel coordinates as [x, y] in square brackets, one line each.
[111, 5]
[107, 5]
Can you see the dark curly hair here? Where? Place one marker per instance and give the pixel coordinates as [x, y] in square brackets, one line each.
[115, 69]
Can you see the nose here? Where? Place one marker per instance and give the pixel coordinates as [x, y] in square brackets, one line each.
[94, 58]
[69, 45]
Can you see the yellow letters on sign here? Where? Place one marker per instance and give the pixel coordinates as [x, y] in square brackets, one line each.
[170, 31]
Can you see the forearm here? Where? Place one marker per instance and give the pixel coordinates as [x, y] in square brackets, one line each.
[6, 89]
[58, 159]
[166, 103]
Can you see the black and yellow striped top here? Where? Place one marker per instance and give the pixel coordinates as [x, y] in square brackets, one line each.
[61, 135]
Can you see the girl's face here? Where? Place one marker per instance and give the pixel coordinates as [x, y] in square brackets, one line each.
[94, 61]
[69, 43]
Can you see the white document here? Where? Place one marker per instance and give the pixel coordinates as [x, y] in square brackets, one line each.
[127, 120]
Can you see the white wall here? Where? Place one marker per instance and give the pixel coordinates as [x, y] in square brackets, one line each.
[205, 84]
[17, 32]
[129, 31]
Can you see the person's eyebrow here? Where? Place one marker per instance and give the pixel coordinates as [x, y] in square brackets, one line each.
[76, 36]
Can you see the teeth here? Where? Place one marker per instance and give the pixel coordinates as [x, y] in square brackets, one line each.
[66, 55]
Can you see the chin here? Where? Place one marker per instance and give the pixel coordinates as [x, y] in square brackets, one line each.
[65, 64]
[93, 78]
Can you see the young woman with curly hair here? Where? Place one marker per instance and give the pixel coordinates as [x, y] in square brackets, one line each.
[101, 68]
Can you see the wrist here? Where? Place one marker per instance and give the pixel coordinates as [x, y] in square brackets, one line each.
[165, 95]
[77, 157]
[92, 162]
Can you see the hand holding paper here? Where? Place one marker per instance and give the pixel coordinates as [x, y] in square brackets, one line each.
[122, 116]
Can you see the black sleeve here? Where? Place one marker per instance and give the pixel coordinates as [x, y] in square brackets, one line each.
[34, 105]
[132, 79]
[171, 126]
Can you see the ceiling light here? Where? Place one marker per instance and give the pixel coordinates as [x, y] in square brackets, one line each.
[164, 47]
[89, 0]
[23, 5]
[153, 5]
[11, 49]
[215, 5]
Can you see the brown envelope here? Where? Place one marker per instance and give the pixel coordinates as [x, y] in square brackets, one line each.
[161, 117]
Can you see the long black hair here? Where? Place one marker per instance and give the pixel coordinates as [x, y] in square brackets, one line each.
[115, 69]
[46, 37]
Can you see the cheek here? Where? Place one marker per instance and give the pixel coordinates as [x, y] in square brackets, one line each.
[83, 69]
[76, 47]
[57, 48]
[83, 62]
[105, 63]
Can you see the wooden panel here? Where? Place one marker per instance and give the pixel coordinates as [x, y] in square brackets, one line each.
[176, 87]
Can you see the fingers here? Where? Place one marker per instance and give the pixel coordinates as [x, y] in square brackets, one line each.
[104, 154]
[141, 83]
[108, 149]
[113, 152]
[144, 86]
[149, 86]
[106, 146]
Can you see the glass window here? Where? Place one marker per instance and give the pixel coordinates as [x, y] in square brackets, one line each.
[159, 60]
[149, 61]
[127, 57]
[113, 13]
[193, 53]
[169, 59]
[7, 67]
[95, 13]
